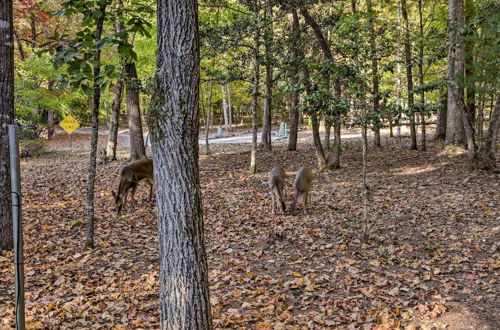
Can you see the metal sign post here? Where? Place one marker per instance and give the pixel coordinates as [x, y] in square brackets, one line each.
[17, 227]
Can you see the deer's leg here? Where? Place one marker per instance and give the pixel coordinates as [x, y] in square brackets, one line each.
[150, 190]
[273, 202]
[134, 188]
[125, 195]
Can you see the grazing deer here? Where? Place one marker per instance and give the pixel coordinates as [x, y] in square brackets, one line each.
[302, 187]
[131, 174]
[277, 178]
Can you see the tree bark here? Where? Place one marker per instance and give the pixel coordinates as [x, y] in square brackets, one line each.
[375, 77]
[486, 158]
[184, 290]
[230, 108]
[225, 109]
[409, 75]
[20, 46]
[455, 131]
[115, 119]
[137, 149]
[89, 243]
[469, 63]
[116, 102]
[6, 118]
[421, 75]
[294, 81]
[266, 129]
[441, 117]
[255, 93]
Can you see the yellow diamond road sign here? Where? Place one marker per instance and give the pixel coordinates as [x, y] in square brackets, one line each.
[69, 124]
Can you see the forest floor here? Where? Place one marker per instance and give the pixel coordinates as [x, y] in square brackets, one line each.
[431, 258]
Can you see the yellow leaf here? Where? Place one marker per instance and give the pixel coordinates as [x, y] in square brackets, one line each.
[342, 247]
[297, 274]
[489, 212]
[106, 244]
[34, 325]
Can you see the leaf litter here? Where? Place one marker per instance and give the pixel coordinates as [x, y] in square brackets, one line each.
[431, 259]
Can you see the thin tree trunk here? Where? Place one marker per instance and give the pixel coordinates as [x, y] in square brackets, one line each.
[375, 77]
[486, 158]
[6, 118]
[409, 76]
[116, 102]
[89, 243]
[320, 154]
[399, 102]
[20, 46]
[469, 64]
[137, 149]
[328, 129]
[225, 109]
[184, 290]
[337, 140]
[294, 81]
[255, 93]
[480, 120]
[266, 129]
[33, 31]
[115, 119]
[421, 75]
[207, 115]
[229, 105]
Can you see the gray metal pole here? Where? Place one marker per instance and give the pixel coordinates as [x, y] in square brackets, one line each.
[15, 182]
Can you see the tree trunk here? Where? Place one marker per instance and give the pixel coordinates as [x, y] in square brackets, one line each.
[375, 77]
[486, 158]
[20, 46]
[266, 129]
[328, 129]
[399, 101]
[469, 63]
[337, 85]
[225, 107]
[320, 154]
[115, 119]
[137, 149]
[337, 140]
[95, 131]
[184, 290]
[294, 81]
[421, 75]
[207, 114]
[116, 102]
[6, 118]
[441, 118]
[455, 131]
[229, 105]
[409, 76]
[255, 93]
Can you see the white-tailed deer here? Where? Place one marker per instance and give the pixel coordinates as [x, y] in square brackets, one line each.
[131, 174]
[302, 187]
[277, 178]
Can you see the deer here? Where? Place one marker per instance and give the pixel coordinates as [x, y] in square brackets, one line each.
[277, 178]
[130, 176]
[302, 187]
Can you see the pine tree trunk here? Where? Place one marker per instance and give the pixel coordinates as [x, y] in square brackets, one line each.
[6, 118]
[486, 158]
[137, 149]
[184, 290]
[89, 243]
[294, 81]
[409, 75]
